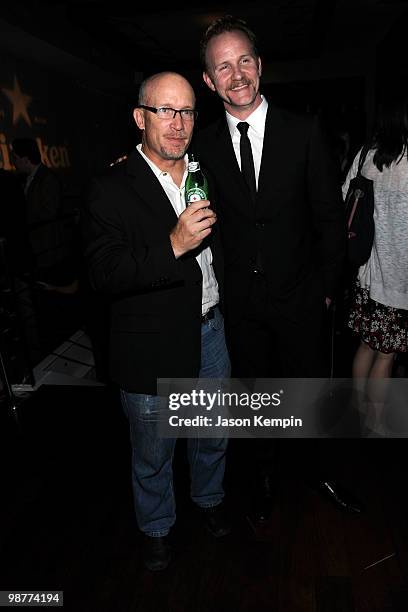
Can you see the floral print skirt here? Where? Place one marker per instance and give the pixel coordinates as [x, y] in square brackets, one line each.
[383, 328]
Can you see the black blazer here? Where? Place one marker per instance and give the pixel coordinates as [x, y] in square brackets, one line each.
[297, 225]
[155, 298]
[43, 207]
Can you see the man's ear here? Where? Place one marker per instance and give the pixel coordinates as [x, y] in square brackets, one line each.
[259, 67]
[138, 116]
[208, 81]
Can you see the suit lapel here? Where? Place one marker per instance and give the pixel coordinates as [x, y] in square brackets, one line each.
[274, 162]
[148, 188]
[37, 178]
[226, 153]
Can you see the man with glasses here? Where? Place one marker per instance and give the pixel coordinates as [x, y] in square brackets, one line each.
[157, 260]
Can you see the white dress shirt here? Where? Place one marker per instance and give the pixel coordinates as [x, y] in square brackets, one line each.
[210, 295]
[256, 131]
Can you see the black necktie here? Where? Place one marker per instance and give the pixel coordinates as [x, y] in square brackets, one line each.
[247, 161]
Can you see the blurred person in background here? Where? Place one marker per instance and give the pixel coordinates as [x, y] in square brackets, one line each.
[379, 306]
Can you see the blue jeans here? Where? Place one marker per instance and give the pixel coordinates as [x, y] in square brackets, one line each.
[152, 457]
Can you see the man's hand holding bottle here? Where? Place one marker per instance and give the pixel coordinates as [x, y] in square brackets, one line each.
[193, 226]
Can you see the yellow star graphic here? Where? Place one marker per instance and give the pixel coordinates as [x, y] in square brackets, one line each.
[19, 101]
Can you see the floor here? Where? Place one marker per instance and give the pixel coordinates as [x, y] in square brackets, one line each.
[67, 519]
[67, 522]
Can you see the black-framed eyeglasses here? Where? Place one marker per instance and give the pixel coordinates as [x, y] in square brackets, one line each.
[164, 112]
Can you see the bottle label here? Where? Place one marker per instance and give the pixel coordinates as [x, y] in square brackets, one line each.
[195, 194]
[193, 166]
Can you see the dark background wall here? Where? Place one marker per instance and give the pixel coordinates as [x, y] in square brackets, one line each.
[78, 65]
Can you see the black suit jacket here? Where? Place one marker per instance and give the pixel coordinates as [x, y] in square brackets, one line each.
[155, 298]
[13, 225]
[43, 207]
[296, 228]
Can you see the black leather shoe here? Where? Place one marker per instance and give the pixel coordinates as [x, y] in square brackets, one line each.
[156, 553]
[216, 520]
[262, 510]
[340, 496]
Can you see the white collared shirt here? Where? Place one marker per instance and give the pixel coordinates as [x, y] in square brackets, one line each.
[210, 295]
[256, 131]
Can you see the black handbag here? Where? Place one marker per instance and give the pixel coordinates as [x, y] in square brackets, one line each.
[360, 216]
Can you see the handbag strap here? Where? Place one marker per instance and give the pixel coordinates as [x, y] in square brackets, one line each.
[365, 149]
[357, 194]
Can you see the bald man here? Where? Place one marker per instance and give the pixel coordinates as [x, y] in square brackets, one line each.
[158, 262]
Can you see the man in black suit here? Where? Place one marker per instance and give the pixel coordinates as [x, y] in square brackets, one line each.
[157, 260]
[43, 193]
[13, 225]
[281, 219]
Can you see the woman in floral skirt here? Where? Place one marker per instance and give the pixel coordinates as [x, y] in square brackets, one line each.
[379, 309]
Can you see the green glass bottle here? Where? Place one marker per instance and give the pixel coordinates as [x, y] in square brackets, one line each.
[196, 187]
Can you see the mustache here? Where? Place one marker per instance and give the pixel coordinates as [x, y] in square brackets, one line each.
[240, 83]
